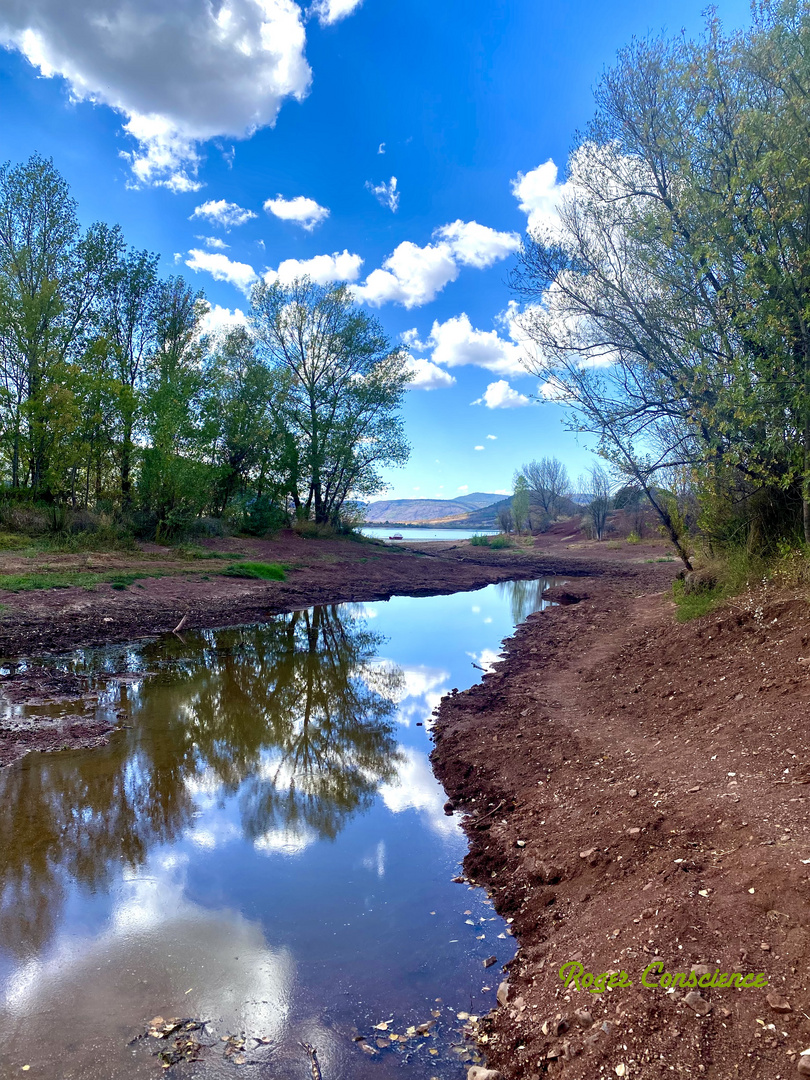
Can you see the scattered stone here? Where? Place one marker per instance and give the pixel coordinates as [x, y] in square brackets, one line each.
[559, 1025]
[702, 969]
[521, 843]
[584, 1018]
[503, 993]
[777, 1002]
[547, 873]
[490, 960]
[803, 1065]
[697, 1002]
[634, 832]
[476, 1072]
[632, 793]
[765, 946]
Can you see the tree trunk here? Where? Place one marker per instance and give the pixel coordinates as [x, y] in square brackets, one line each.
[669, 526]
[126, 465]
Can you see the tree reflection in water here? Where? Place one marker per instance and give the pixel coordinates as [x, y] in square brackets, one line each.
[525, 597]
[294, 714]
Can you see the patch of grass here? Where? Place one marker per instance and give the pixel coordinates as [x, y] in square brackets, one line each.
[194, 551]
[66, 579]
[693, 605]
[13, 541]
[99, 540]
[262, 571]
[633, 537]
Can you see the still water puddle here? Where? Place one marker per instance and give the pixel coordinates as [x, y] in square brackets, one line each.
[263, 847]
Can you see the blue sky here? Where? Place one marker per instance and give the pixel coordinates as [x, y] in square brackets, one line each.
[241, 138]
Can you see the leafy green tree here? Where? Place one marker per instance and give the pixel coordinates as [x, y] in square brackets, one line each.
[520, 503]
[51, 275]
[671, 303]
[342, 387]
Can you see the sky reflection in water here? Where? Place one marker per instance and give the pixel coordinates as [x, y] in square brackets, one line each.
[264, 846]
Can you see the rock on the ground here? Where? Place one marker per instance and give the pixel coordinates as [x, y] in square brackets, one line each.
[476, 1072]
[777, 1002]
[503, 993]
[697, 1002]
[803, 1065]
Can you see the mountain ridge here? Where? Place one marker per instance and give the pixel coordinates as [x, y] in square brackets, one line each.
[420, 511]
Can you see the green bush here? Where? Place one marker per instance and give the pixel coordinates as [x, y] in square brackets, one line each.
[262, 571]
[496, 542]
[633, 537]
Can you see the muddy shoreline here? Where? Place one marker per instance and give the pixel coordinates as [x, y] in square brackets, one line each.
[634, 793]
[40, 623]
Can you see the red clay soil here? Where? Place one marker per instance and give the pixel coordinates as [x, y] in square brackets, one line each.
[636, 793]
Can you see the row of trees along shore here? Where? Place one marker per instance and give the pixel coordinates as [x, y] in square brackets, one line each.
[670, 301]
[113, 397]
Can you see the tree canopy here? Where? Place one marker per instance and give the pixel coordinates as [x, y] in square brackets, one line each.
[112, 395]
[670, 305]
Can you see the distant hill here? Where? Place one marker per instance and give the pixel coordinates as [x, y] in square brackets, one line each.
[478, 499]
[413, 511]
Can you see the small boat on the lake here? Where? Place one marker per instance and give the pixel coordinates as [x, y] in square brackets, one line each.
[396, 536]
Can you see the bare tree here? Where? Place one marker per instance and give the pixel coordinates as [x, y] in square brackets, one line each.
[599, 506]
[504, 518]
[549, 485]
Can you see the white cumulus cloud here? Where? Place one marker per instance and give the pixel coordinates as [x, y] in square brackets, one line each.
[322, 269]
[221, 212]
[539, 195]
[221, 268]
[304, 212]
[500, 395]
[478, 448]
[213, 242]
[456, 342]
[332, 11]
[178, 74]
[427, 376]
[410, 276]
[414, 275]
[221, 319]
[478, 245]
[386, 194]
[492, 436]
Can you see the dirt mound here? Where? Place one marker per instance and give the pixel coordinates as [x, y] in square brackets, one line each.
[637, 795]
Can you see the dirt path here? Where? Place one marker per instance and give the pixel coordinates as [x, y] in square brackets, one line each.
[652, 809]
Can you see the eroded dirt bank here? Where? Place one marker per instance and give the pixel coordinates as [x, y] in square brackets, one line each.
[636, 793]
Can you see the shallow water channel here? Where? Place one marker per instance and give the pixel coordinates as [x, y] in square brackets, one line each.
[263, 847]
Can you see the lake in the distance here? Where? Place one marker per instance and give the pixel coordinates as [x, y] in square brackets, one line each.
[422, 534]
[263, 847]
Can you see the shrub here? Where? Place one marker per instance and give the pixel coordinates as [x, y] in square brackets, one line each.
[311, 530]
[633, 537]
